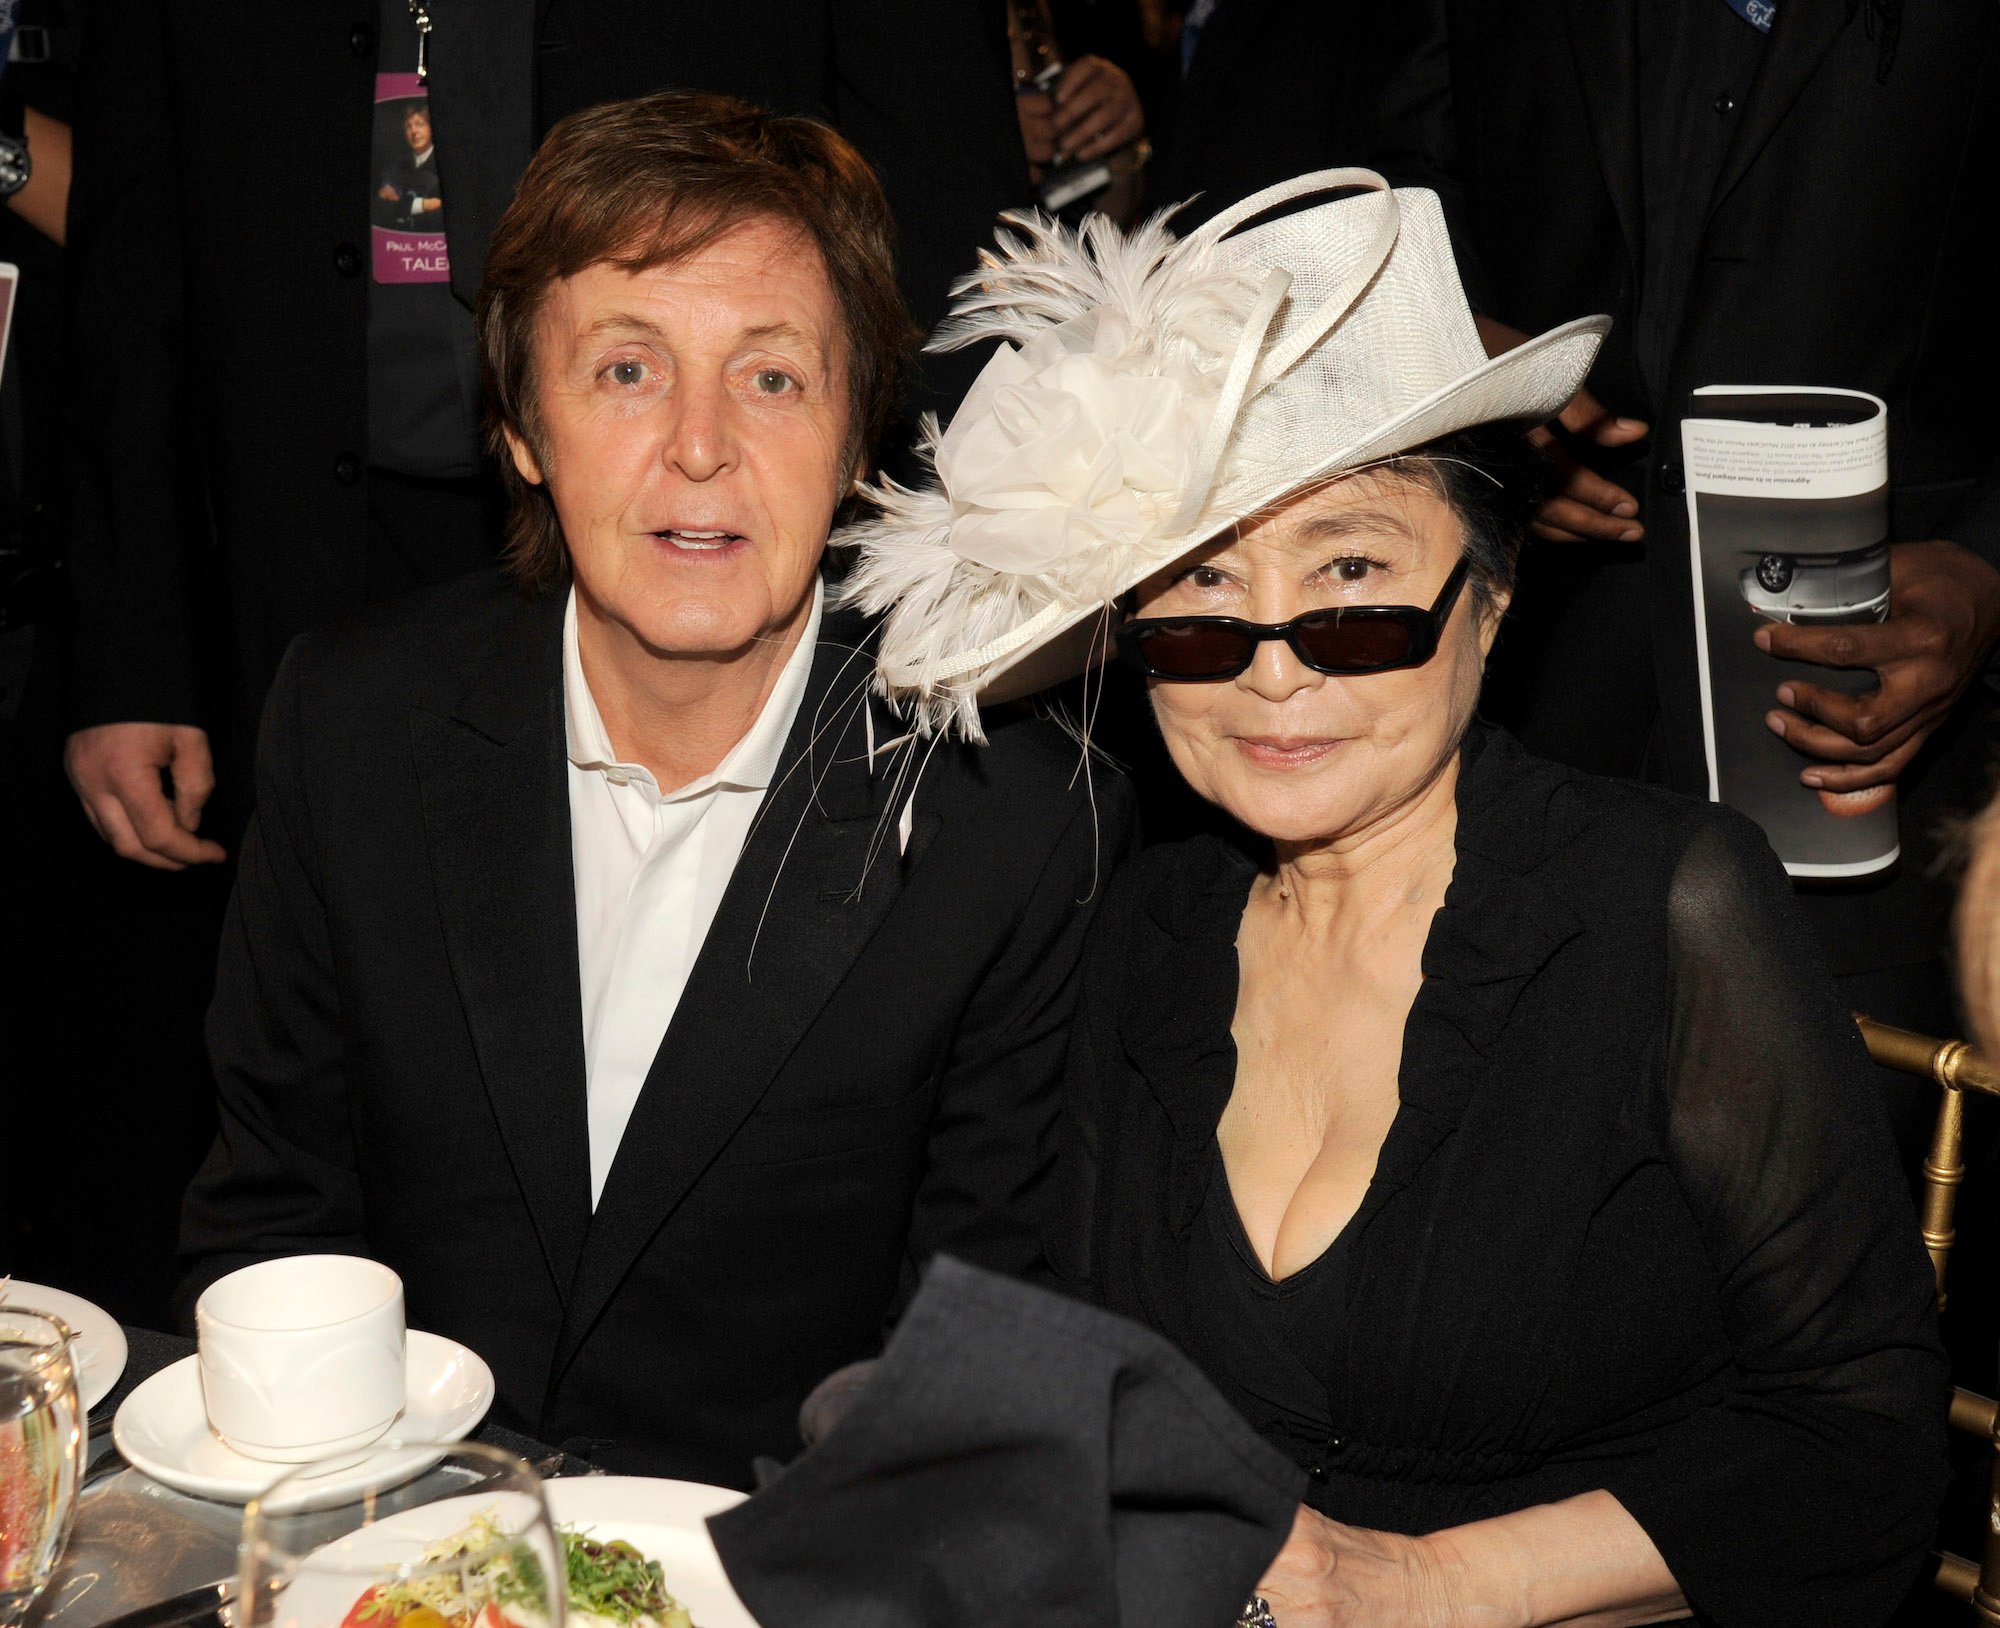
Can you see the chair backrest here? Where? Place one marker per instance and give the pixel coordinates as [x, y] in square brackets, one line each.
[1956, 1069]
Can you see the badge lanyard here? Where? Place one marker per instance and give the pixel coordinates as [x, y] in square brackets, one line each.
[420, 15]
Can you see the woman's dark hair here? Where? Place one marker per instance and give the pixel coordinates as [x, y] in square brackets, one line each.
[651, 181]
[1494, 478]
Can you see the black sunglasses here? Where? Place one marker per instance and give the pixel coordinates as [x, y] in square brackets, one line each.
[1345, 641]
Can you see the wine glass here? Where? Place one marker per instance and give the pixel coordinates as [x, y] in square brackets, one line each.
[467, 1534]
[41, 1453]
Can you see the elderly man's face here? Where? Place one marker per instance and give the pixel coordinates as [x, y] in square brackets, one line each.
[695, 433]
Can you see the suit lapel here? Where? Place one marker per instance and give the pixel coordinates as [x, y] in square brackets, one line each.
[1604, 40]
[1800, 38]
[818, 874]
[496, 817]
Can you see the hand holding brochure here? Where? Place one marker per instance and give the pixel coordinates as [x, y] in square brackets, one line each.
[1788, 521]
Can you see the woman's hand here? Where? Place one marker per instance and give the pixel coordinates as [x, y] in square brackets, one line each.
[1583, 1562]
[1329, 1575]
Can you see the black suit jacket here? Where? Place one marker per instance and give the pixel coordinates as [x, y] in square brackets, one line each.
[860, 1072]
[1843, 246]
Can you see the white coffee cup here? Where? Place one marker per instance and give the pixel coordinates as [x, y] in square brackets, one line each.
[302, 1358]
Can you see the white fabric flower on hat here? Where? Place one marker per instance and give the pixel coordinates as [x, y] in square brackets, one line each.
[1072, 441]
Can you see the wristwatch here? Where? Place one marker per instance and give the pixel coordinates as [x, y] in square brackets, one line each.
[15, 165]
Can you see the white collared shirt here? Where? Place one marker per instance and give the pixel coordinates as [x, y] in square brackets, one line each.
[650, 870]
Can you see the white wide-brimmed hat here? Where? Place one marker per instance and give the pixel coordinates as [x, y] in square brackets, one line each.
[1149, 394]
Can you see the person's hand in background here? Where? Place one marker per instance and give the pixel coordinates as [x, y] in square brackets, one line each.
[1036, 111]
[1944, 615]
[121, 773]
[1096, 110]
[1584, 507]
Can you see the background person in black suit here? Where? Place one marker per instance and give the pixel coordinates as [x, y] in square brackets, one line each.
[1808, 206]
[664, 1170]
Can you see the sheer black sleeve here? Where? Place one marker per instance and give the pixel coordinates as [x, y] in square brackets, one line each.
[1809, 1494]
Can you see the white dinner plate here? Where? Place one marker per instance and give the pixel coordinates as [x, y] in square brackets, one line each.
[662, 1519]
[100, 1341]
[162, 1427]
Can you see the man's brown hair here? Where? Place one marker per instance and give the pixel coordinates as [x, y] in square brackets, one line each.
[647, 182]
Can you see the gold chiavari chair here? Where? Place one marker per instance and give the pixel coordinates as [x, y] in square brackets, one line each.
[1956, 1069]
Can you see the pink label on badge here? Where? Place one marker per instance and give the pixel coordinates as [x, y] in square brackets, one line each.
[406, 208]
[402, 257]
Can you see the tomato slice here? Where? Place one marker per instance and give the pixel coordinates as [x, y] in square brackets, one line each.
[355, 1617]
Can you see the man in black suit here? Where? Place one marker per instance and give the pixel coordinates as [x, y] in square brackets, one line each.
[275, 438]
[604, 957]
[1803, 200]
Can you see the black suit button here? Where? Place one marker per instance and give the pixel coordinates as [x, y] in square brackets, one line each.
[361, 40]
[1725, 103]
[347, 260]
[1673, 479]
[347, 469]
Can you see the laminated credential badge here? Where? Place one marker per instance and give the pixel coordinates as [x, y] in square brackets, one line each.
[406, 211]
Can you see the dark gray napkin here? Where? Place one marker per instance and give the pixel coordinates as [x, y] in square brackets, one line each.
[1016, 1457]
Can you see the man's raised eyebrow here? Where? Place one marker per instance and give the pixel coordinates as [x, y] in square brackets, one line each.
[787, 330]
[621, 322]
[626, 324]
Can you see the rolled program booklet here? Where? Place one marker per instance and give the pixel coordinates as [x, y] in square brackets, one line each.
[1788, 521]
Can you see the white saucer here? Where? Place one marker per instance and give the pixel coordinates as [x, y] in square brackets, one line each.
[100, 1341]
[162, 1427]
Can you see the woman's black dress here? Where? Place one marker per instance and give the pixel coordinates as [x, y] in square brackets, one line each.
[1637, 1224]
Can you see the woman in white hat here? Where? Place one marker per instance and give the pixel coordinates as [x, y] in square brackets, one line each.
[1490, 1133]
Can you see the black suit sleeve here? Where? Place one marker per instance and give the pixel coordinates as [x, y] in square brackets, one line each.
[992, 1135]
[281, 1178]
[132, 526]
[1829, 1450]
